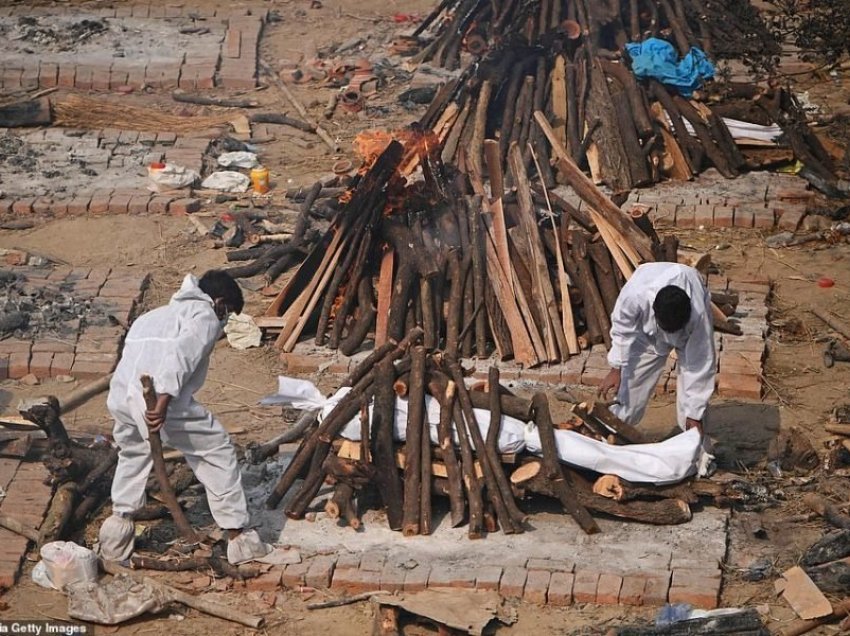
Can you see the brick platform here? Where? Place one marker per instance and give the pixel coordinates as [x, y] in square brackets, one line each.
[27, 498]
[740, 358]
[87, 347]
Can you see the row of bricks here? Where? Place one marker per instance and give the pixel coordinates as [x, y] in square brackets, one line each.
[557, 587]
[156, 11]
[105, 203]
[774, 188]
[43, 365]
[107, 137]
[94, 339]
[27, 498]
[787, 217]
[188, 75]
[238, 67]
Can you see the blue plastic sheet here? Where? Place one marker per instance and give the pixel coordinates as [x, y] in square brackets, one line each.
[657, 59]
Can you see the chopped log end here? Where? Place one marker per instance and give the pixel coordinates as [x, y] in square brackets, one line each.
[526, 472]
[609, 486]
[410, 530]
[332, 510]
[685, 508]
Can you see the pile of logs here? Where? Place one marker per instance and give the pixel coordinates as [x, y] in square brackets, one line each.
[524, 272]
[566, 58]
[474, 475]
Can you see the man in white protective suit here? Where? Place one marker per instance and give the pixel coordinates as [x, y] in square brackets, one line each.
[173, 345]
[663, 307]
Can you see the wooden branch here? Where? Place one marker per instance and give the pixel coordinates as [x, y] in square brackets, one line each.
[602, 413]
[383, 417]
[414, 440]
[169, 499]
[13, 525]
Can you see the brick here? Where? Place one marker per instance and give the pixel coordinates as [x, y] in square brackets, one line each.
[744, 217]
[685, 216]
[790, 220]
[743, 344]
[631, 592]
[85, 368]
[584, 586]
[100, 78]
[536, 586]
[159, 204]
[550, 565]
[704, 215]
[487, 577]
[78, 205]
[356, 581]
[42, 206]
[320, 572]
[416, 580]
[684, 577]
[119, 203]
[593, 377]
[22, 207]
[665, 213]
[4, 367]
[738, 385]
[392, 578]
[184, 206]
[763, 219]
[655, 591]
[724, 216]
[61, 364]
[232, 43]
[560, 592]
[267, 582]
[298, 363]
[348, 561]
[608, 589]
[138, 204]
[19, 365]
[705, 595]
[100, 203]
[40, 364]
[294, 575]
[13, 345]
[451, 576]
[512, 583]
[373, 561]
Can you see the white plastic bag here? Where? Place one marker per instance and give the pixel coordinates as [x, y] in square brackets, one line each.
[226, 181]
[170, 177]
[65, 563]
[239, 159]
[242, 332]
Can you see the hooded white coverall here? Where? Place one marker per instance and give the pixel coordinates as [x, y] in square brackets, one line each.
[173, 344]
[640, 348]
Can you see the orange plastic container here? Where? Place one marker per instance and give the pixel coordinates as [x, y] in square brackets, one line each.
[260, 179]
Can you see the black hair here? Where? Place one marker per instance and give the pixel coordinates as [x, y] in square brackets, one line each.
[672, 308]
[217, 283]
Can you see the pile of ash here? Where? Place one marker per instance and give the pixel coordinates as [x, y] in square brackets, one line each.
[33, 308]
[33, 31]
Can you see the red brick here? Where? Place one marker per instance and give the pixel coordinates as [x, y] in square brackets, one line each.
[744, 217]
[19, 365]
[550, 565]
[751, 344]
[487, 577]
[631, 592]
[373, 561]
[4, 366]
[294, 575]
[608, 589]
[119, 203]
[512, 583]
[66, 76]
[536, 585]
[184, 206]
[560, 592]
[22, 206]
[100, 78]
[584, 586]
[357, 581]
[451, 576]
[738, 385]
[40, 364]
[232, 43]
[686, 216]
[8, 574]
[763, 219]
[704, 215]
[655, 591]
[685, 577]
[62, 364]
[100, 203]
[791, 219]
[320, 571]
[724, 216]
[159, 204]
[593, 377]
[267, 582]
[348, 561]
[85, 367]
[416, 579]
[13, 345]
[78, 205]
[665, 213]
[138, 204]
[704, 595]
[42, 206]
[392, 578]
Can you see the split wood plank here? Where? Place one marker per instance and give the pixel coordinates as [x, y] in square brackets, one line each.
[385, 292]
[803, 595]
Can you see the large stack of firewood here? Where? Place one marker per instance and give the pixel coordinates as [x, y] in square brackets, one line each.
[567, 59]
[474, 475]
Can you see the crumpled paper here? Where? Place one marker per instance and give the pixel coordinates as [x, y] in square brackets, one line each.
[242, 332]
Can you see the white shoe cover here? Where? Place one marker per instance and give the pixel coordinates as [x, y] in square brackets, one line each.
[117, 538]
[246, 547]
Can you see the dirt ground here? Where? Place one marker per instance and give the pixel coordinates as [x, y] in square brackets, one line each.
[801, 392]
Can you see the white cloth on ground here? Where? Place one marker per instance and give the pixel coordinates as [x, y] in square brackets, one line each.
[173, 344]
[639, 347]
[246, 547]
[665, 462]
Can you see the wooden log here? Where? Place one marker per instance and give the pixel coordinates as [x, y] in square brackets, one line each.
[840, 609]
[54, 527]
[170, 500]
[590, 292]
[593, 196]
[35, 112]
[693, 150]
[425, 512]
[602, 413]
[414, 441]
[828, 511]
[559, 99]
[624, 117]
[470, 477]
[837, 429]
[747, 622]
[715, 153]
[258, 453]
[476, 150]
[499, 492]
[604, 275]
[619, 489]
[607, 137]
[575, 116]
[833, 546]
[836, 324]
[383, 417]
[492, 442]
[341, 505]
[479, 269]
[453, 316]
[553, 474]
[80, 396]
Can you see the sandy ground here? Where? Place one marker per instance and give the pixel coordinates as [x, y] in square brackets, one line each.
[801, 392]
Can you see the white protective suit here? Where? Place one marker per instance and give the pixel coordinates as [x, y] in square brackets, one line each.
[172, 344]
[640, 348]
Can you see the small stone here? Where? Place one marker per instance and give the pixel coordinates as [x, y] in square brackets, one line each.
[30, 380]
